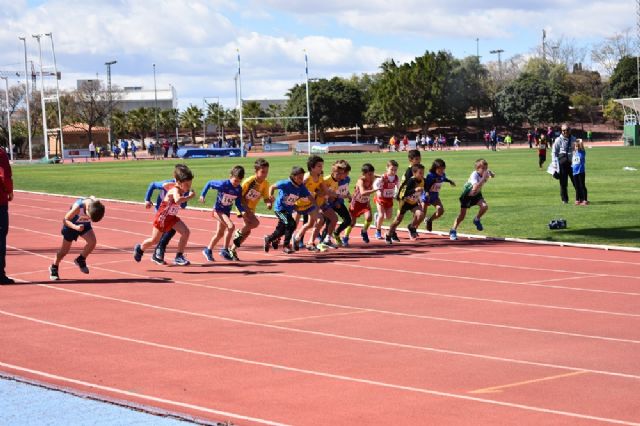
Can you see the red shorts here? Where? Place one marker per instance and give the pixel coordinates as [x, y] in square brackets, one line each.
[358, 209]
[165, 224]
[386, 203]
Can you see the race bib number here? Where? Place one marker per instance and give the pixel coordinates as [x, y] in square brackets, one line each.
[435, 187]
[388, 192]
[173, 210]
[252, 194]
[362, 199]
[343, 191]
[575, 160]
[83, 217]
[290, 199]
[227, 199]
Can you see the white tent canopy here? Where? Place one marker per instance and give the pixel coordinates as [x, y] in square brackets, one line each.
[631, 107]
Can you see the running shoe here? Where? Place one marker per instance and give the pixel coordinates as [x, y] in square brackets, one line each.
[208, 254]
[300, 244]
[275, 244]
[267, 244]
[159, 254]
[365, 236]
[336, 237]
[322, 247]
[311, 247]
[237, 238]
[413, 233]
[180, 260]
[453, 235]
[345, 241]
[53, 273]
[296, 244]
[388, 239]
[137, 253]
[395, 237]
[287, 249]
[378, 235]
[158, 260]
[82, 264]
[234, 254]
[225, 254]
[327, 241]
[429, 224]
[478, 225]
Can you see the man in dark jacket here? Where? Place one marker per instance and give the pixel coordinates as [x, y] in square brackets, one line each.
[6, 195]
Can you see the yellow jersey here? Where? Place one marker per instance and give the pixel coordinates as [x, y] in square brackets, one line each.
[252, 191]
[314, 188]
[332, 187]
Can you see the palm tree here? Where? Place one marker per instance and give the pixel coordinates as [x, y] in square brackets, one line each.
[168, 120]
[191, 118]
[119, 124]
[141, 122]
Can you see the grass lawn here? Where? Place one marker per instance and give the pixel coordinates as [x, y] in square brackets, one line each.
[522, 198]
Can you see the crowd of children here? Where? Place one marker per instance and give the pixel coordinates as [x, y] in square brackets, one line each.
[325, 205]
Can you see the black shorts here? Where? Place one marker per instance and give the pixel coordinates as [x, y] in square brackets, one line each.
[467, 201]
[406, 207]
[72, 235]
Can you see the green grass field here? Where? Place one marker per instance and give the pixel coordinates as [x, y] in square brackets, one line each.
[522, 198]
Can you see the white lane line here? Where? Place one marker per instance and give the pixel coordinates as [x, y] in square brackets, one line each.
[340, 336]
[315, 373]
[137, 395]
[400, 314]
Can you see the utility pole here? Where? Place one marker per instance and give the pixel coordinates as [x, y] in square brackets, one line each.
[499, 51]
[55, 70]
[544, 46]
[108, 64]
[44, 112]
[155, 95]
[638, 43]
[27, 98]
[6, 95]
[478, 47]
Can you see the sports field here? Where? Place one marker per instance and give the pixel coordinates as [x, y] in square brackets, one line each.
[522, 198]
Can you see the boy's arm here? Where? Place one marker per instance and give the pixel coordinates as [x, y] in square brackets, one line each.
[239, 204]
[206, 188]
[75, 209]
[147, 197]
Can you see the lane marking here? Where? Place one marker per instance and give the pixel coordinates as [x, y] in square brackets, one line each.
[427, 317]
[319, 316]
[337, 377]
[138, 395]
[498, 389]
[343, 337]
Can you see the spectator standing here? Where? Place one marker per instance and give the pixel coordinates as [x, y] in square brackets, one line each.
[530, 138]
[174, 147]
[579, 176]
[92, 150]
[562, 152]
[6, 195]
[165, 147]
[124, 144]
[134, 149]
[405, 143]
[589, 135]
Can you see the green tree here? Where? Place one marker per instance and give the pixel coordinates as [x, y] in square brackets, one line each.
[624, 80]
[215, 115]
[141, 121]
[191, 119]
[168, 120]
[119, 124]
[613, 111]
[252, 109]
[585, 106]
[531, 99]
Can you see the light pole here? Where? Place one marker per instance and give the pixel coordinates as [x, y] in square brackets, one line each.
[44, 114]
[6, 97]
[55, 70]
[306, 71]
[155, 95]
[108, 64]
[498, 51]
[240, 104]
[27, 98]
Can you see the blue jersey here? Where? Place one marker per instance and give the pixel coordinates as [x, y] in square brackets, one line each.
[343, 190]
[82, 218]
[432, 184]
[578, 162]
[227, 195]
[288, 195]
[159, 185]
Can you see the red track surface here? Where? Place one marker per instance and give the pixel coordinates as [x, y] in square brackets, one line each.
[431, 332]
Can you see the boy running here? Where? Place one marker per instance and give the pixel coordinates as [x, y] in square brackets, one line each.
[414, 158]
[253, 189]
[229, 192]
[472, 195]
[409, 202]
[328, 213]
[387, 184]
[339, 206]
[290, 191]
[360, 203]
[166, 217]
[77, 223]
[431, 195]
[308, 208]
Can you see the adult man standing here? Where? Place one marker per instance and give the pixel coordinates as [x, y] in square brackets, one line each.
[6, 195]
[92, 151]
[562, 151]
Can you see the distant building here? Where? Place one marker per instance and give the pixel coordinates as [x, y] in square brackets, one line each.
[138, 97]
[264, 103]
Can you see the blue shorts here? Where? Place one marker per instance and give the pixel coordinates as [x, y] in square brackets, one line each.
[72, 235]
[430, 198]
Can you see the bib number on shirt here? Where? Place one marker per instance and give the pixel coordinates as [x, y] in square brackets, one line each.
[290, 199]
[389, 192]
[227, 199]
[252, 194]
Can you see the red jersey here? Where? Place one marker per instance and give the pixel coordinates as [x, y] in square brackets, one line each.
[386, 186]
[166, 216]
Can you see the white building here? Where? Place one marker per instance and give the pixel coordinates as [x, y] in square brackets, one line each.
[138, 97]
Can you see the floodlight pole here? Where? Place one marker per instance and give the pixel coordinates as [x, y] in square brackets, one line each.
[498, 51]
[26, 88]
[306, 71]
[6, 96]
[108, 64]
[55, 70]
[240, 106]
[155, 95]
[44, 113]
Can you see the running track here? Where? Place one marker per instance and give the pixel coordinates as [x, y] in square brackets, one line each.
[432, 332]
